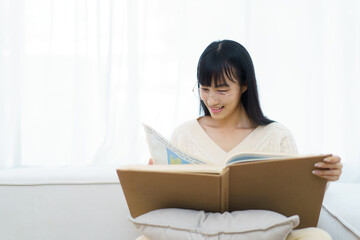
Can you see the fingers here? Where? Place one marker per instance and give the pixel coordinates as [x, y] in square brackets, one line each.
[332, 159]
[330, 178]
[331, 175]
[329, 165]
[330, 168]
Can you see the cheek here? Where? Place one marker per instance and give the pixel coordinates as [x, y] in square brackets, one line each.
[236, 101]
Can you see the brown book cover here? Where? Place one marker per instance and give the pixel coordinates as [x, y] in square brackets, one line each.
[283, 185]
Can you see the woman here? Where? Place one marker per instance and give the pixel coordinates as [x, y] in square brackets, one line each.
[233, 121]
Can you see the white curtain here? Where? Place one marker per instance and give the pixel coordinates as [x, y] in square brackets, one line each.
[78, 77]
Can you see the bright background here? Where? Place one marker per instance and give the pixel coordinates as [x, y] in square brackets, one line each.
[78, 77]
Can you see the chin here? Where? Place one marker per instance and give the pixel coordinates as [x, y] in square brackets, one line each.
[217, 116]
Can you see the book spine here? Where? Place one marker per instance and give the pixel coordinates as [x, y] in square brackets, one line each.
[224, 188]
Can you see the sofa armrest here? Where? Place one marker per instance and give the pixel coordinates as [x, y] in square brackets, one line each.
[340, 215]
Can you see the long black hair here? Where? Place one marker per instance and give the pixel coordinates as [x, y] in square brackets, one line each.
[230, 58]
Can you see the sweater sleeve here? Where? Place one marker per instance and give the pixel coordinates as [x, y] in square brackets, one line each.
[179, 140]
[288, 145]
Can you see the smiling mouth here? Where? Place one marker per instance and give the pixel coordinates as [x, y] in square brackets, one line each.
[217, 109]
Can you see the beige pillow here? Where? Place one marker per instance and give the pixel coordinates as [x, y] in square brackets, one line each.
[183, 224]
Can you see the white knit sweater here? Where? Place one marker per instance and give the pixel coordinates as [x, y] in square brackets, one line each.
[272, 138]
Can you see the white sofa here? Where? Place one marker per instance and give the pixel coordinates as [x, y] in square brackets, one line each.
[88, 203]
[63, 203]
[340, 215]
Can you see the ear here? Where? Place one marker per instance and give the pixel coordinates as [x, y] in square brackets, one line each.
[243, 89]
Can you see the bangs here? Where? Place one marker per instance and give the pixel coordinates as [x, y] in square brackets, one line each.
[215, 69]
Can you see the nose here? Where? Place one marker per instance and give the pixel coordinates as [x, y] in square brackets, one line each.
[211, 99]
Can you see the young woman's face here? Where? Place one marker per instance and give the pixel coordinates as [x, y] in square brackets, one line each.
[222, 101]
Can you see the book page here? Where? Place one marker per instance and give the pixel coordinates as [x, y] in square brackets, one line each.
[248, 157]
[174, 168]
[163, 152]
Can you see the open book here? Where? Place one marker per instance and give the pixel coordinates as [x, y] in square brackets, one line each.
[283, 184]
[163, 152]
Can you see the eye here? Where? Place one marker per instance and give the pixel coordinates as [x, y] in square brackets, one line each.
[222, 91]
[204, 89]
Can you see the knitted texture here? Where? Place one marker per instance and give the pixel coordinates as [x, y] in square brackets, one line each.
[191, 138]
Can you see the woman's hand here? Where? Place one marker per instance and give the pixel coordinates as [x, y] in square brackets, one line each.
[151, 162]
[329, 168]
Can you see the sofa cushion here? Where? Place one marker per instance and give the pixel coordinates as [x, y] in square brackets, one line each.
[184, 224]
